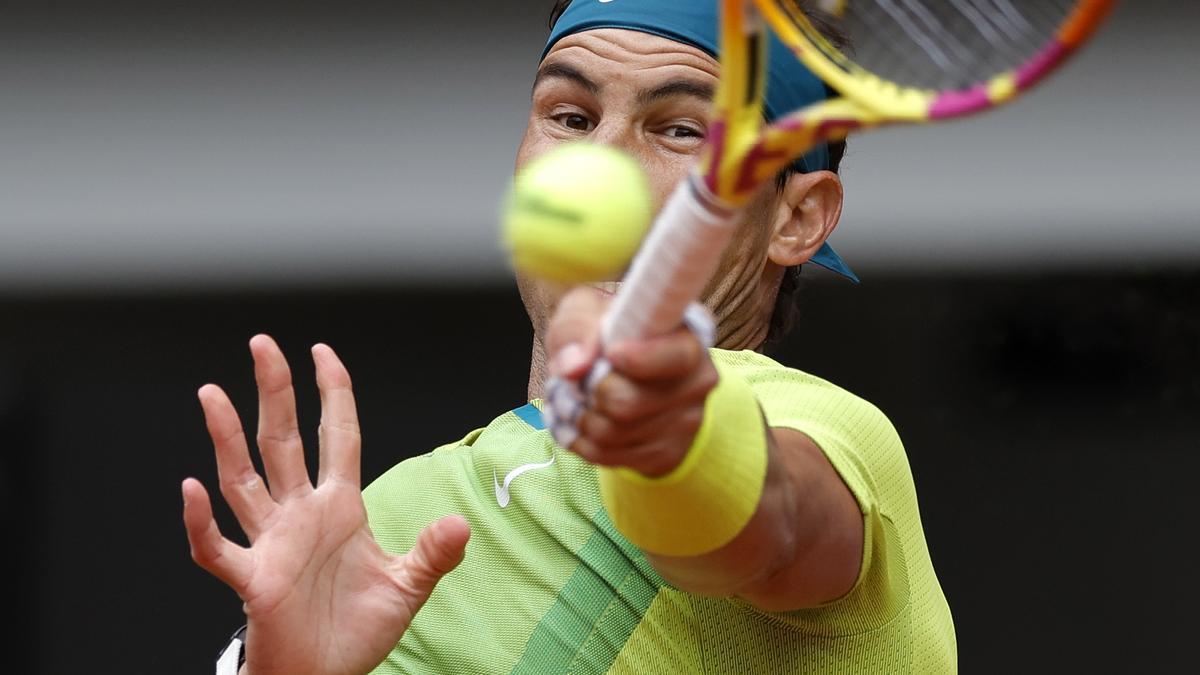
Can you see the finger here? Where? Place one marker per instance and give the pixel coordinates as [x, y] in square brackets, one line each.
[241, 485]
[624, 400]
[278, 432]
[216, 554]
[606, 432]
[655, 457]
[340, 437]
[658, 358]
[573, 338]
[439, 549]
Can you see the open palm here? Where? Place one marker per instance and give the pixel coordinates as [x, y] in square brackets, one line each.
[320, 595]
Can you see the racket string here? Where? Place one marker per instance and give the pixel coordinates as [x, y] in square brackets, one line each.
[942, 44]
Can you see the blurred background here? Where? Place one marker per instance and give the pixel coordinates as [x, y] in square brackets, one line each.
[176, 178]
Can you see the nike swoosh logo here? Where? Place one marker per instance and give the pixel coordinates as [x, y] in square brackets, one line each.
[502, 495]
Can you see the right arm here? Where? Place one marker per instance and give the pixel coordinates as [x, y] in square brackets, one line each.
[319, 593]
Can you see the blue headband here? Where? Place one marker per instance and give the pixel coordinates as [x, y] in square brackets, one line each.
[790, 86]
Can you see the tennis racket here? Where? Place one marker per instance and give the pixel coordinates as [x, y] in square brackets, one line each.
[913, 61]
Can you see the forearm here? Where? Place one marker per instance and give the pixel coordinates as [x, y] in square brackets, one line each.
[801, 548]
[691, 473]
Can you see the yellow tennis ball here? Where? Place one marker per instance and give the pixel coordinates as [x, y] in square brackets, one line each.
[577, 214]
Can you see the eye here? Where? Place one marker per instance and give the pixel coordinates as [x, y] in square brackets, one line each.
[682, 131]
[575, 122]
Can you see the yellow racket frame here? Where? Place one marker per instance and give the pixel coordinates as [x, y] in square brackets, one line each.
[743, 153]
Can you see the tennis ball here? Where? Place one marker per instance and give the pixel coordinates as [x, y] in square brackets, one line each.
[577, 214]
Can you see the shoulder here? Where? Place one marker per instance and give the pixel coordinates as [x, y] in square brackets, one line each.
[769, 376]
[855, 435]
[415, 470]
[796, 399]
[455, 478]
[399, 502]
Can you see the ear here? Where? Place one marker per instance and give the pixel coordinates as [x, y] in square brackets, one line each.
[807, 212]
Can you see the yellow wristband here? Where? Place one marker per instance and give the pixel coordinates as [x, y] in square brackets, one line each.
[706, 501]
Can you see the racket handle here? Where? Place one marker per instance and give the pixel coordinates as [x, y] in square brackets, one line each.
[673, 265]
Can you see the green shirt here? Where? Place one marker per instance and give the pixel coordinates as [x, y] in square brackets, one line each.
[549, 586]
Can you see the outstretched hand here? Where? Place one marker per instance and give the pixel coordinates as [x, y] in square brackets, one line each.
[319, 593]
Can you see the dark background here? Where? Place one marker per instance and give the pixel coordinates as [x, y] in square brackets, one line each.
[1047, 389]
[1050, 422]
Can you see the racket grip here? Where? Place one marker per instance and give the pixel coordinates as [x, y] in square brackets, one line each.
[673, 265]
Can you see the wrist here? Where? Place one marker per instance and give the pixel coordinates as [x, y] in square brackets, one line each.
[707, 498]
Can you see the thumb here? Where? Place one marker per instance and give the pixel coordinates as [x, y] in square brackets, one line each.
[439, 549]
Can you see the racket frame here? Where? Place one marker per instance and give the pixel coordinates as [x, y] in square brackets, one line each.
[910, 104]
[685, 244]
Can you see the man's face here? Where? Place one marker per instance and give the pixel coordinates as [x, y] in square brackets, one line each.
[646, 95]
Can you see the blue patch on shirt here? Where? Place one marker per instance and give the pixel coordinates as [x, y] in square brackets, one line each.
[531, 415]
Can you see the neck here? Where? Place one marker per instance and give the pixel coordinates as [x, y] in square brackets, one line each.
[744, 335]
[743, 307]
[537, 368]
[732, 334]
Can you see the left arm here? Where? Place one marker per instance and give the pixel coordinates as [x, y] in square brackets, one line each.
[802, 547]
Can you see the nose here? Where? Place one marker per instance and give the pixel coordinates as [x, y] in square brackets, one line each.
[616, 132]
[622, 134]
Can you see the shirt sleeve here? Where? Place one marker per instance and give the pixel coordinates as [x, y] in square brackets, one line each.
[864, 448]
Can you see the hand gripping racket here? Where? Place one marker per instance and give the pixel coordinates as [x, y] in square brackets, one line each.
[912, 61]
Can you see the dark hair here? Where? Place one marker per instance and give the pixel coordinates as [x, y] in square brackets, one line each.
[559, 7]
[787, 306]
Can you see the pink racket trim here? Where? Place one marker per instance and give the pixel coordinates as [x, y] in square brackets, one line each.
[1082, 23]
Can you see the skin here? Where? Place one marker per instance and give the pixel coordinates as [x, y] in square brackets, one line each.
[321, 596]
[600, 86]
[313, 578]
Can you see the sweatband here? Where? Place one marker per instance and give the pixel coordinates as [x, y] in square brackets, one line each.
[703, 503]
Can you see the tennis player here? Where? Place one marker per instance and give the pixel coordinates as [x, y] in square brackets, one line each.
[717, 512]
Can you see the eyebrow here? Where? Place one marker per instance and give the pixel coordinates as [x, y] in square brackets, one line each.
[564, 72]
[673, 88]
[645, 97]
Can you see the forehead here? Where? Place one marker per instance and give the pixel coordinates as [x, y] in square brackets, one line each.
[629, 53]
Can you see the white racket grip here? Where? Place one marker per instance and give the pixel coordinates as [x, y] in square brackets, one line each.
[673, 265]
